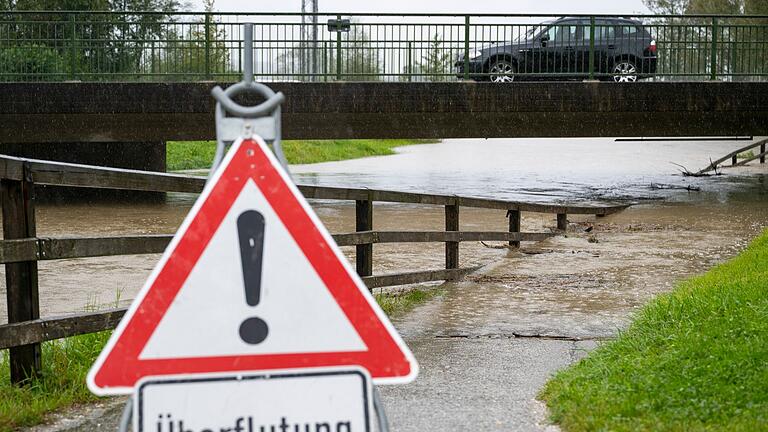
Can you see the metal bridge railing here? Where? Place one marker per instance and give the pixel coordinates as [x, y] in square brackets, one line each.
[93, 46]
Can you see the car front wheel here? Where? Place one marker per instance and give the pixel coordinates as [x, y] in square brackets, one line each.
[624, 71]
[502, 71]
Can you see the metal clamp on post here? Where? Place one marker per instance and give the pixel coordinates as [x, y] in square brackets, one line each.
[262, 120]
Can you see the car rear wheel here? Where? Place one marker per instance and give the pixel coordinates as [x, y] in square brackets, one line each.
[624, 71]
[502, 71]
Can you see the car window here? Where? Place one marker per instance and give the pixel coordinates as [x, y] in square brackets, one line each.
[604, 30]
[563, 32]
[529, 34]
[627, 29]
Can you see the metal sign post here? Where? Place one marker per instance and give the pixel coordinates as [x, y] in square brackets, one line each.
[251, 203]
[262, 120]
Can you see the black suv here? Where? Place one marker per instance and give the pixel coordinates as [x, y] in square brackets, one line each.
[624, 51]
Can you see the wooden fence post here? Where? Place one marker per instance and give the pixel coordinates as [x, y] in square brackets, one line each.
[452, 224]
[17, 199]
[364, 252]
[762, 152]
[514, 225]
[562, 221]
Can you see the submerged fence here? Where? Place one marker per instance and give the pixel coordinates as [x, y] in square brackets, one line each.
[22, 247]
[92, 46]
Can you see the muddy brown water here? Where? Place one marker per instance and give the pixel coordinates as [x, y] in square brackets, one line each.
[582, 284]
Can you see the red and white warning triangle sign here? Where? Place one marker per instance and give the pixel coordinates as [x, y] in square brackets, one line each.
[251, 281]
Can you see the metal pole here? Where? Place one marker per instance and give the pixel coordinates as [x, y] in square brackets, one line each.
[248, 54]
[73, 49]
[240, 123]
[591, 48]
[713, 54]
[303, 40]
[338, 52]
[409, 65]
[208, 46]
[466, 47]
[381, 415]
[325, 60]
[315, 42]
[125, 419]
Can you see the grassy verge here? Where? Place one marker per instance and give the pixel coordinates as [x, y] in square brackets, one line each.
[399, 303]
[693, 359]
[184, 155]
[66, 363]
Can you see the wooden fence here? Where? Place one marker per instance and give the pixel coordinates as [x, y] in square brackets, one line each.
[733, 157]
[21, 248]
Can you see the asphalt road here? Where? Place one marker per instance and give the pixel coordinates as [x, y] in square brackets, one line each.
[467, 381]
[485, 383]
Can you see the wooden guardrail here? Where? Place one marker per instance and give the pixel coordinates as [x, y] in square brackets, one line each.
[21, 248]
[733, 157]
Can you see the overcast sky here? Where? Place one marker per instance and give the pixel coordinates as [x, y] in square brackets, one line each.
[443, 6]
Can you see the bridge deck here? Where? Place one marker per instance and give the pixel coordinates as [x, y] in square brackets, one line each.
[133, 112]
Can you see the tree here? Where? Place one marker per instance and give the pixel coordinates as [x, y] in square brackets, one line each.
[359, 58]
[30, 60]
[741, 42]
[436, 63]
[667, 7]
[198, 50]
[756, 7]
[725, 7]
[105, 45]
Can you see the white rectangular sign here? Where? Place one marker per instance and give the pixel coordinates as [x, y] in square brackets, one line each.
[309, 400]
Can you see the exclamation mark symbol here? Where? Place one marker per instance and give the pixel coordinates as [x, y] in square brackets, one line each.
[250, 231]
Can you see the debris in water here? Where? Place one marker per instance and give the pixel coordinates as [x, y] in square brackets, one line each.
[503, 246]
[687, 173]
[536, 251]
[689, 188]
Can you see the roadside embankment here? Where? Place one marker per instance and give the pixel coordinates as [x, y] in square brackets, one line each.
[185, 155]
[693, 359]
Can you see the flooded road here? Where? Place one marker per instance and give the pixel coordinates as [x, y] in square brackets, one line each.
[536, 170]
[688, 231]
[584, 285]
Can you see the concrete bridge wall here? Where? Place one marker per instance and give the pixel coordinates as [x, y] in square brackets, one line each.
[152, 112]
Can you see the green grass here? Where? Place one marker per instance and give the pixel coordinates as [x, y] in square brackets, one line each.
[184, 155]
[693, 359]
[62, 384]
[399, 303]
[745, 155]
[66, 363]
